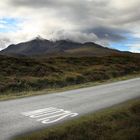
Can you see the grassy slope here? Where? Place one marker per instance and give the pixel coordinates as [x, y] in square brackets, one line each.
[26, 74]
[121, 122]
[90, 50]
[15, 95]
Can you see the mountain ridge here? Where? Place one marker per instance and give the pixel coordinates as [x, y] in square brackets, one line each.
[40, 46]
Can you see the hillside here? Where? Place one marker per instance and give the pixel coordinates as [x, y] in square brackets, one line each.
[24, 74]
[39, 46]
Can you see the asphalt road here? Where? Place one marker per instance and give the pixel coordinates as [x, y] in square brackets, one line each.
[27, 114]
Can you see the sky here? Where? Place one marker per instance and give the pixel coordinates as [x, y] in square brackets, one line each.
[111, 23]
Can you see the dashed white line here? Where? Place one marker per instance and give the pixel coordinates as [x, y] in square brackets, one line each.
[49, 115]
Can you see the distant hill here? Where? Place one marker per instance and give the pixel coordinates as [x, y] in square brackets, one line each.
[43, 47]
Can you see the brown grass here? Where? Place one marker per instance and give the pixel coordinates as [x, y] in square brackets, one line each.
[32, 74]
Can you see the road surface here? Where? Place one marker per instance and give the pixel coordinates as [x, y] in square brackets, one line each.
[23, 115]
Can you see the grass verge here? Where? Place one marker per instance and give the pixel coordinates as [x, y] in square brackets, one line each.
[13, 95]
[120, 122]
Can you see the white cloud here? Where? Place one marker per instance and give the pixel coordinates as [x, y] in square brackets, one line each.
[71, 19]
[74, 35]
[134, 48]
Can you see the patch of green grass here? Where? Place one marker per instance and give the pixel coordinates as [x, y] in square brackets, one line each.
[121, 122]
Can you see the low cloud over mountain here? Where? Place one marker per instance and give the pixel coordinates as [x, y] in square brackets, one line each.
[106, 22]
[42, 47]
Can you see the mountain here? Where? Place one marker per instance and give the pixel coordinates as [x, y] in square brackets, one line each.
[43, 47]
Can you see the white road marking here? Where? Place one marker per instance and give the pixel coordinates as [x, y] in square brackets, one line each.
[49, 115]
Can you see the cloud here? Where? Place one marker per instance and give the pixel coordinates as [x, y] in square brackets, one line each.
[101, 21]
[74, 35]
[112, 34]
[4, 42]
[134, 48]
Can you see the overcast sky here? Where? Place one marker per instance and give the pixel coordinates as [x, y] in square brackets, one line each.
[112, 23]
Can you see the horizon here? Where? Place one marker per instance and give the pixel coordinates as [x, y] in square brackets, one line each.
[112, 24]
